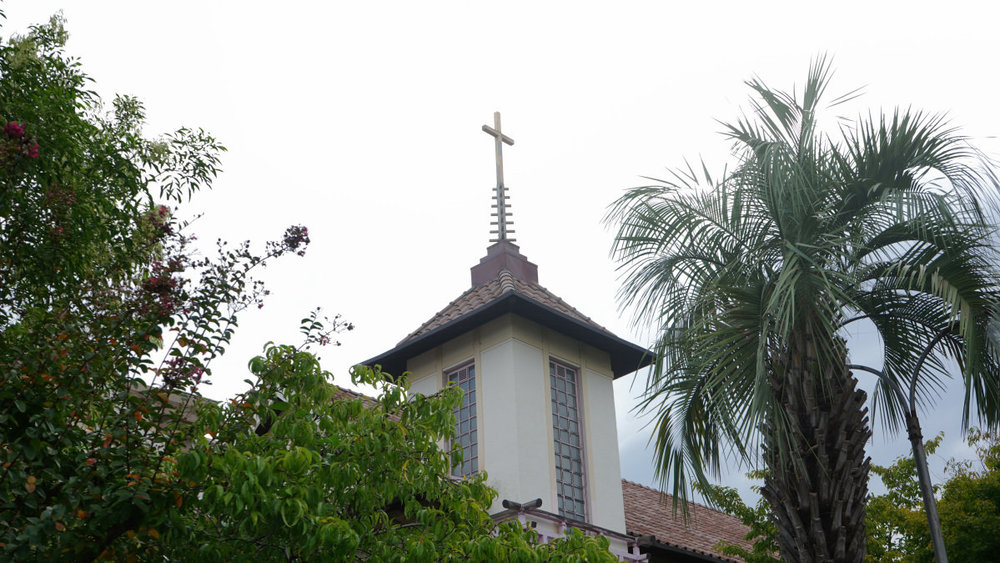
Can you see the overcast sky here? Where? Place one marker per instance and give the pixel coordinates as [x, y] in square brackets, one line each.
[362, 121]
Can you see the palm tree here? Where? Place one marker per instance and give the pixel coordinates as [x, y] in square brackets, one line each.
[751, 280]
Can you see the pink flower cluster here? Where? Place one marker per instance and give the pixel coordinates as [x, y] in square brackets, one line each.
[13, 130]
[18, 142]
[163, 287]
[159, 219]
[180, 371]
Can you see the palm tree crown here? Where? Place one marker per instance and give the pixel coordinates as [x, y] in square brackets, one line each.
[751, 279]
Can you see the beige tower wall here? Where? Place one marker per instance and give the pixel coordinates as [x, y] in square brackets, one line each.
[513, 410]
[511, 356]
[605, 467]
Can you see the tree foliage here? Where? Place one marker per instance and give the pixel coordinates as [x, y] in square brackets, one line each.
[969, 507]
[970, 503]
[109, 324]
[292, 473]
[762, 533]
[897, 524]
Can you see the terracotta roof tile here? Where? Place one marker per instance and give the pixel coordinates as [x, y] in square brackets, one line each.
[650, 512]
[484, 294]
[341, 393]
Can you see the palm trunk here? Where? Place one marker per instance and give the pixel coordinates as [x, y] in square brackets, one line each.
[814, 449]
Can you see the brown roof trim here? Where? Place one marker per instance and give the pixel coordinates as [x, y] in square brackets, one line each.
[625, 356]
[678, 554]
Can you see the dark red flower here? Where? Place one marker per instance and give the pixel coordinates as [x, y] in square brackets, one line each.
[33, 150]
[296, 238]
[13, 130]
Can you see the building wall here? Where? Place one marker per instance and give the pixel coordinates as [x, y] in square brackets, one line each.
[512, 355]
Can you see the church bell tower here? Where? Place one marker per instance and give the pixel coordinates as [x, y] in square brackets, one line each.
[539, 414]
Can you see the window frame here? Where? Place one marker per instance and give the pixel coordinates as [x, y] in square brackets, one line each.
[473, 419]
[554, 365]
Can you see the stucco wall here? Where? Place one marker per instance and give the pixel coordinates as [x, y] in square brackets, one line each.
[512, 355]
[604, 469]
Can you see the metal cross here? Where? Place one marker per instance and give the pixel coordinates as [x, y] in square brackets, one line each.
[501, 196]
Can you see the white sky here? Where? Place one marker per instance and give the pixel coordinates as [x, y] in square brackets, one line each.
[362, 121]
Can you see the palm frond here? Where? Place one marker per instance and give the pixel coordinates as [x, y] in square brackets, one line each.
[893, 221]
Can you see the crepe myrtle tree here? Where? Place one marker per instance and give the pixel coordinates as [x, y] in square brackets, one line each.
[109, 321]
[750, 281]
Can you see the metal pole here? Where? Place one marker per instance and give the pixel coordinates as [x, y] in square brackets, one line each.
[920, 457]
[926, 489]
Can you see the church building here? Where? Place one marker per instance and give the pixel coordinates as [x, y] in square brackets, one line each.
[539, 412]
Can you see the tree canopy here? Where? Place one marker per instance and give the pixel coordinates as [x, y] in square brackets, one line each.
[109, 323]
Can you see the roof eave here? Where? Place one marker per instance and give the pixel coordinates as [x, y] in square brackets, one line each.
[625, 356]
[650, 543]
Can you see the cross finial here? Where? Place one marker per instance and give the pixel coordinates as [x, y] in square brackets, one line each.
[502, 208]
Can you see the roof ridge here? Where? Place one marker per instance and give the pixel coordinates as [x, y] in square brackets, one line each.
[507, 282]
[705, 506]
[506, 279]
[434, 317]
[567, 305]
[564, 303]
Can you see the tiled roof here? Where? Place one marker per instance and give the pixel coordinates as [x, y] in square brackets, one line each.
[340, 393]
[505, 282]
[650, 512]
[484, 294]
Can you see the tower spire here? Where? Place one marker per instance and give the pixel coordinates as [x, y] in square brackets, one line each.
[502, 207]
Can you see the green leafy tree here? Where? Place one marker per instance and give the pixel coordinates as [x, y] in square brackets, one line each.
[970, 503]
[897, 525]
[290, 472]
[751, 281]
[969, 506]
[78, 182]
[762, 534]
